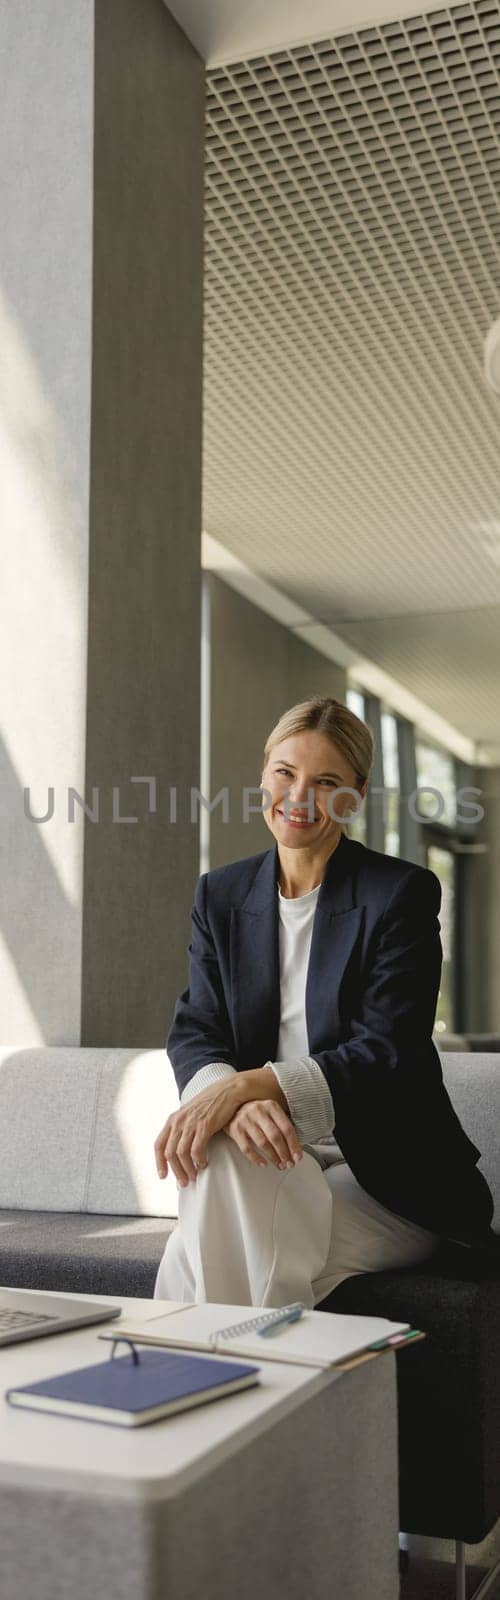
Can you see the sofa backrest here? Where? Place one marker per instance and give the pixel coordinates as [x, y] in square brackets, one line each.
[473, 1084]
[77, 1126]
[77, 1129]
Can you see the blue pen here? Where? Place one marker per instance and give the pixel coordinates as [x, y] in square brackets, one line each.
[282, 1318]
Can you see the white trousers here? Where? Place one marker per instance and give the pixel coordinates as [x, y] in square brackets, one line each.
[255, 1236]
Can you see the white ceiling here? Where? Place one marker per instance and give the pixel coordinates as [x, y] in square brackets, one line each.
[234, 30]
[362, 670]
[449, 659]
[352, 270]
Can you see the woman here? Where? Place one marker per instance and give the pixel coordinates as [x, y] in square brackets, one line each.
[314, 977]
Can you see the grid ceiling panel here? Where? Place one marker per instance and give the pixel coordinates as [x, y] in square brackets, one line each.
[454, 652]
[352, 271]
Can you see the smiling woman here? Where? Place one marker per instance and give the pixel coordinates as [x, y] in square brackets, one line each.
[317, 762]
[314, 975]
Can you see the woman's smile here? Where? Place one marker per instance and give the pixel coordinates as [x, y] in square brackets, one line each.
[297, 822]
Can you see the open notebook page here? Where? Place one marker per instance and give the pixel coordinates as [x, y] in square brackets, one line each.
[319, 1339]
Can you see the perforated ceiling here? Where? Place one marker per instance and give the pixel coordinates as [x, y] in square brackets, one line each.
[352, 271]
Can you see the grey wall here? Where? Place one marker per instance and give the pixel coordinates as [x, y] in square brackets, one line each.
[258, 669]
[46, 136]
[144, 579]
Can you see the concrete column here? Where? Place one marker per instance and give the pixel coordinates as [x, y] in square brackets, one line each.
[100, 422]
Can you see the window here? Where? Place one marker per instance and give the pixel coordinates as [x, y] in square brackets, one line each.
[390, 763]
[357, 826]
[442, 862]
[356, 702]
[436, 771]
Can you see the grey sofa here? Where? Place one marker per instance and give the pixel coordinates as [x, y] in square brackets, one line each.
[81, 1206]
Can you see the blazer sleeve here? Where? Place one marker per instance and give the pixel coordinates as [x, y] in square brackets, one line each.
[393, 1015]
[201, 1032]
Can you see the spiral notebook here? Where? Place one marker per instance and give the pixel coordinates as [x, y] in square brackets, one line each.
[317, 1340]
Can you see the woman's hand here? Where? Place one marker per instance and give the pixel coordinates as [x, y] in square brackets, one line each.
[182, 1142]
[261, 1128]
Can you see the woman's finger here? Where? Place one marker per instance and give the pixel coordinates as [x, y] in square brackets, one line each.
[178, 1171]
[159, 1150]
[176, 1158]
[185, 1155]
[267, 1149]
[201, 1136]
[286, 1126]
[274, 1139]
[161, 1163]
[266, 1133]
[253, 1120]
[244, 1144]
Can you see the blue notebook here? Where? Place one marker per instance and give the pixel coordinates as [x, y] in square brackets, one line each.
[128, 1392]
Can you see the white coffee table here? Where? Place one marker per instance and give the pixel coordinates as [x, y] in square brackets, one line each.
[285, 1492]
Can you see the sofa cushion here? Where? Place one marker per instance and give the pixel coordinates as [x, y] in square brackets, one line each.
[47, 1112]
[81, 1254]
[136, 1093]
[77, 1129]
[473, 1084]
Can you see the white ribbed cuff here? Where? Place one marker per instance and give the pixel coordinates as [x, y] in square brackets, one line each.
[309, 1099]
[205, 1076]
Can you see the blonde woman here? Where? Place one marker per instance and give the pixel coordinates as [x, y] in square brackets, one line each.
[314, 1138]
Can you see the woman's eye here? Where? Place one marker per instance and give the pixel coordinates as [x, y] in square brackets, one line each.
[285, 771]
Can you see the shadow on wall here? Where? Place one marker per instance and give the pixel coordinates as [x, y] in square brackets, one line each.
[39, 927]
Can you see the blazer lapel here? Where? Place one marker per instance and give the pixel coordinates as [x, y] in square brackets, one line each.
[336, 928]
[255, 969]
[333, 940]
[255, 974]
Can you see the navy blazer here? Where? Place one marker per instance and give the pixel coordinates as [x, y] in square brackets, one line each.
[371, 994]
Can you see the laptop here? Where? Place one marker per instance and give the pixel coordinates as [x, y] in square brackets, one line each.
[26, 1314]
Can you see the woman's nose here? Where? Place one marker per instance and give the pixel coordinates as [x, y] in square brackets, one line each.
[301, 791]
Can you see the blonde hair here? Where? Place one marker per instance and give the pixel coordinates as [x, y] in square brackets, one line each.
[334, 719]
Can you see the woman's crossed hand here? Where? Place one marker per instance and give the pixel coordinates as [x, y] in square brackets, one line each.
[263, 1132]
[240, 1106]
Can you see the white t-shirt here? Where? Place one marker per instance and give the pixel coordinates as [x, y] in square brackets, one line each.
[296, 918]
[299, 1076]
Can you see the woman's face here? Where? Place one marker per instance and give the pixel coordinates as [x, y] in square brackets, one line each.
[304, 776]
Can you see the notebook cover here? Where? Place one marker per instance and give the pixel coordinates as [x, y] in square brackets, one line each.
[160, 1378]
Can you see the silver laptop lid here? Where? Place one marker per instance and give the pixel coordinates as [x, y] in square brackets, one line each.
[28, 1314]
